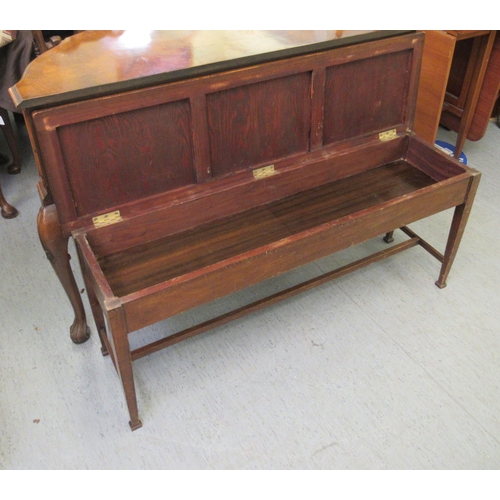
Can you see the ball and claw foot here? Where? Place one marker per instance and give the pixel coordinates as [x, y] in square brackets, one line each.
[79, 332]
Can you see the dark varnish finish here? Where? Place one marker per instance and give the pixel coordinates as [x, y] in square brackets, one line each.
[380, 83]
[128, 156]
[222, 165]
[108, 62]
[243, 123]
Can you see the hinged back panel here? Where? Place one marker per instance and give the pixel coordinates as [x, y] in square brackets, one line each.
[137, 148]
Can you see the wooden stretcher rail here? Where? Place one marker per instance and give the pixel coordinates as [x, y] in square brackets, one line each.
[283, 295]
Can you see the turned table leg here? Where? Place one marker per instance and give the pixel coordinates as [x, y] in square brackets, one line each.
[55, 245]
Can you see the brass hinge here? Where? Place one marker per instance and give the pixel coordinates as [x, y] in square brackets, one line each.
[107, 219]
[259, 173]
[388, 135]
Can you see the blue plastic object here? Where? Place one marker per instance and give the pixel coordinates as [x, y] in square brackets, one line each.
[449, 149]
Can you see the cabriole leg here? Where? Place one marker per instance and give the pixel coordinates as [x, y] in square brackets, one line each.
[55, 245]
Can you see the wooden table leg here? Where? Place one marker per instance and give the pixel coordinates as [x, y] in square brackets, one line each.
[95, 306]
[123, 360]
[389, 237]
[55, 245]
[7, 210]
[458, 224]
[15, 166]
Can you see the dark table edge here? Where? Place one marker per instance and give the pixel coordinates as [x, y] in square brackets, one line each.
[172, 76]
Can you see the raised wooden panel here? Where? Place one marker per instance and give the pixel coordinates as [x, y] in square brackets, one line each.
[258, 123]
[380, 83]
[128, 156]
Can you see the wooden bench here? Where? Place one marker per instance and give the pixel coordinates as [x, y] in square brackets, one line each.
[192, 180]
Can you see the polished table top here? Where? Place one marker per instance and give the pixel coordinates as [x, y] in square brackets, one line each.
[94, 63]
